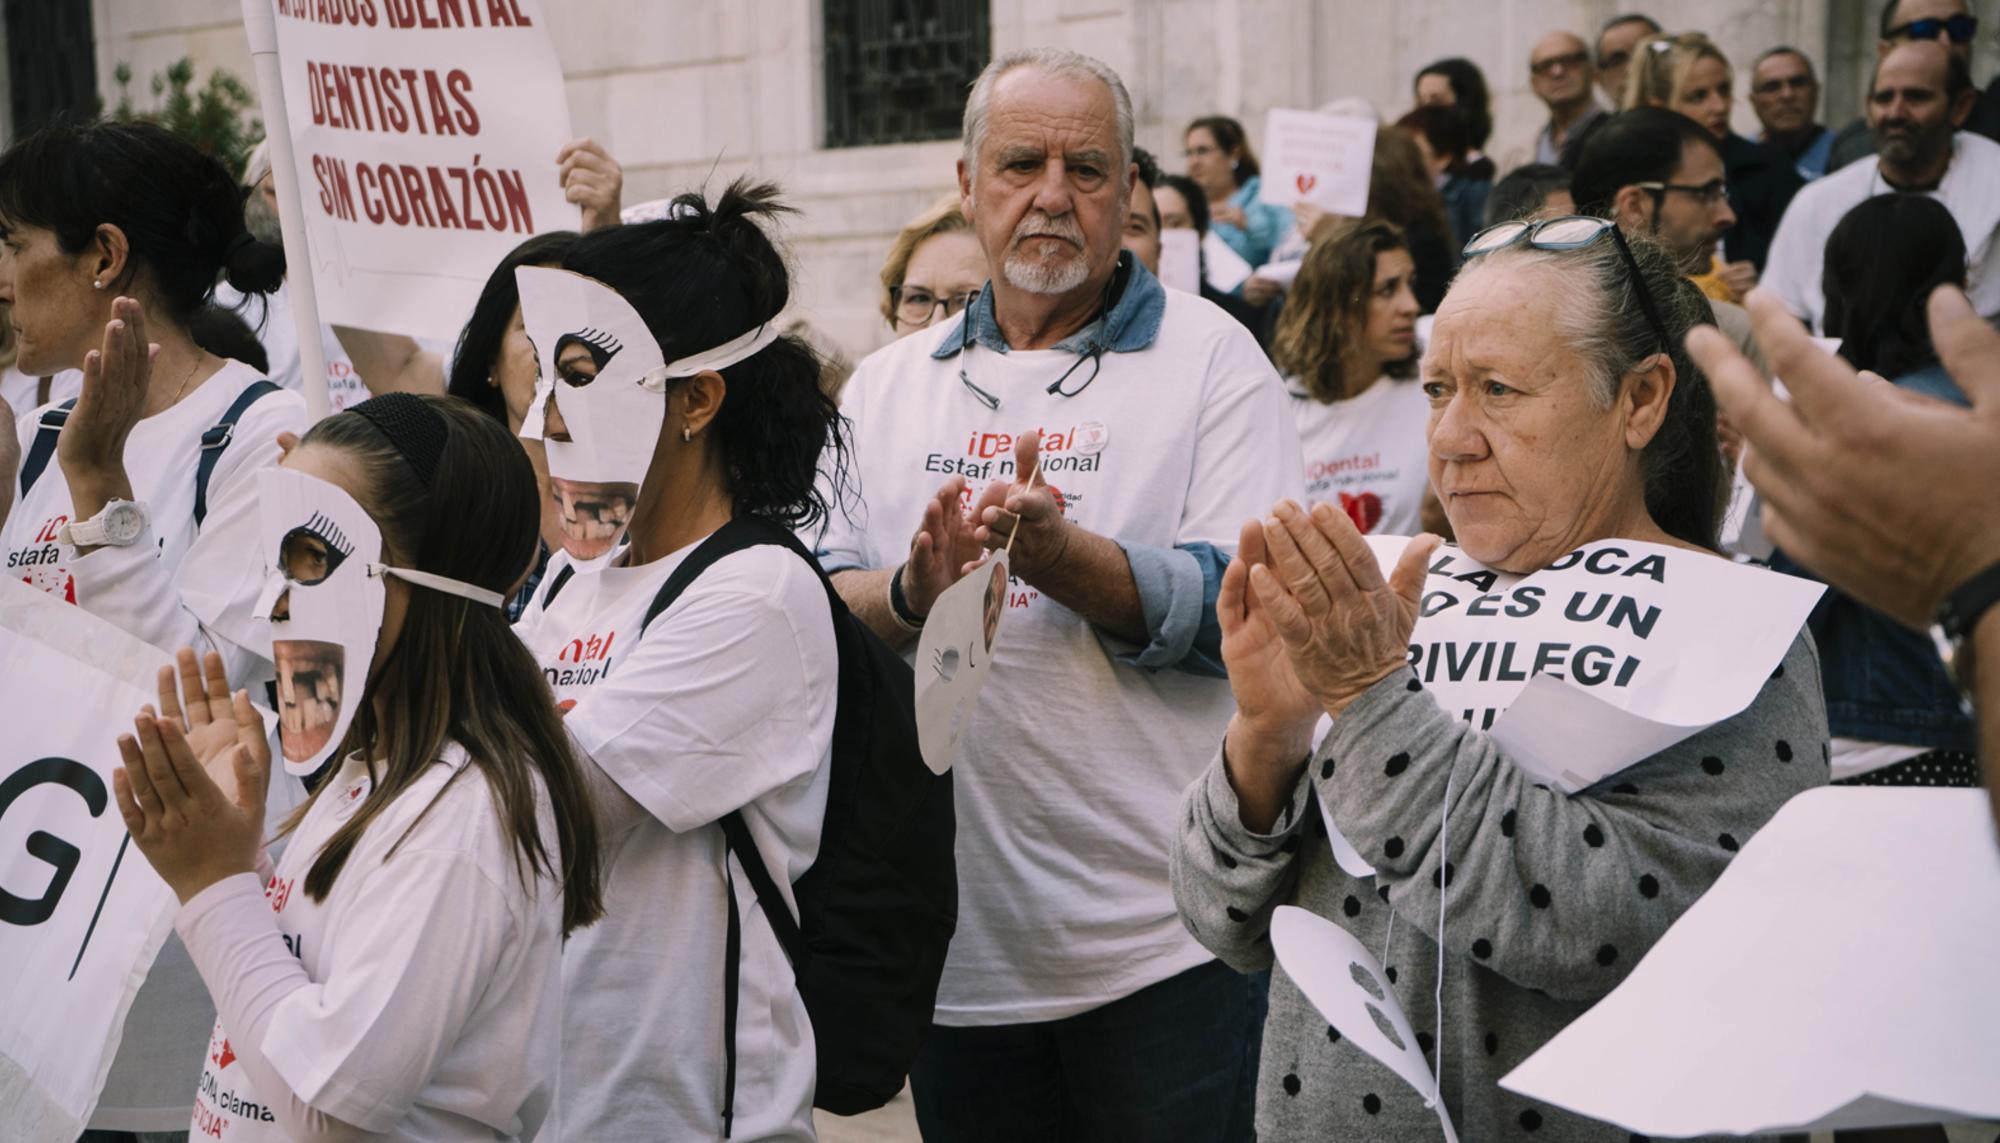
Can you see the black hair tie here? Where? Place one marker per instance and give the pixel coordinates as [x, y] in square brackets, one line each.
[415, 429]
[245, 238]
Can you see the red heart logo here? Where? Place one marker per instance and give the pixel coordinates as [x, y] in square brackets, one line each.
[225, 1057]
[1365, 510]
[1307, 183]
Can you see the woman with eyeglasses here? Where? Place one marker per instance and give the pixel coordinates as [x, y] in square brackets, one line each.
[1563, 412]
[934, 268]
[1220, 159]
[1689, 74]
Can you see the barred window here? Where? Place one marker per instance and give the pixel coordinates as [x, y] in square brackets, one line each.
[51, 63]
[897, 71]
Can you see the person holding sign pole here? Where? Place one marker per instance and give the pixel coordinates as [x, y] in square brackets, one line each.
[1563, 412]
[397, 971]
[112, 238]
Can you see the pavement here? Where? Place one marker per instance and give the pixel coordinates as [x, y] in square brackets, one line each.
[896, 1122]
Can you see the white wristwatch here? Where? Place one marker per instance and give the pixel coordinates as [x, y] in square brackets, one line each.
[118, 525]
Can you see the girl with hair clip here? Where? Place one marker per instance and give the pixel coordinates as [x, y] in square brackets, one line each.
[429, 882]
[1347, 345]
[112, 238]
[671, 408]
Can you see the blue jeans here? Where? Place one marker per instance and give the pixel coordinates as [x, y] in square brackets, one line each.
[1174, 1061]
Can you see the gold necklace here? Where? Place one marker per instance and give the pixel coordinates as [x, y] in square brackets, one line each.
[178, 393]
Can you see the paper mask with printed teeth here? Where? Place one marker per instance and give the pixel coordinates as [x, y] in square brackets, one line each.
[323, 608]
[599, 365]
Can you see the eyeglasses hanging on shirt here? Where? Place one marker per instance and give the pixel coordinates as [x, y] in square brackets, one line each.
[1092, 354]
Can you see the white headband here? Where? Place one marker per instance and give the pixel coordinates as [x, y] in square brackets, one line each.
[721, 357]
[441, 583]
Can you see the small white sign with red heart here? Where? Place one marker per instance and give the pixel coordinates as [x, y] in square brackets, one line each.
[1316, 158]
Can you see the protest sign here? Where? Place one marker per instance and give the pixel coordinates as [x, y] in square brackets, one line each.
[1343, 981]
[1222, 267]
[1321, 159]
[955, 658]
[1839, 975]
[1180, 260]
[424, 135]
[1609, 655]
[81, 914]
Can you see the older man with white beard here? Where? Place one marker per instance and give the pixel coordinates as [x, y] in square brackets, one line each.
[1119, 434]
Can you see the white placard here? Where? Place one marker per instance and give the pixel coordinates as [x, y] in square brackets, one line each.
[955, 658]
[1222, 267]
[82, 914]
[1607, 656]
[1838, 975]
[1346, 985]
[1321, 159]
[1180, 260]
[426, 134]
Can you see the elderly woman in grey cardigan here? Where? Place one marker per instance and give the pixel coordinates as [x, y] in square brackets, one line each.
[1563, 411]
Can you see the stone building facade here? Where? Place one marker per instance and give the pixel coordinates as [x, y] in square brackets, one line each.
[687, 92]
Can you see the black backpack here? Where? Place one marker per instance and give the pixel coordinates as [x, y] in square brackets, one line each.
[878, 906]
[213, 440]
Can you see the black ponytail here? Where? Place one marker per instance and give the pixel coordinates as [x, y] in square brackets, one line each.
[702, 276]
[180, 210]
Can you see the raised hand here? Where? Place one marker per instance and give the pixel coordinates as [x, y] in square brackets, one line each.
[1024, 511]
[593, 180]
[1344, 627]
[116, 378]
[191, 832]
[940, 550]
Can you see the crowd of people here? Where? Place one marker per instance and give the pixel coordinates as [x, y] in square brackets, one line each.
[567, 617]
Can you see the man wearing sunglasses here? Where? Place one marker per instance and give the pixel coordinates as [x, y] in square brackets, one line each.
[1560, 72]
[1918, 98]
[1616, 42]
[1784, 92]
[1947, 22]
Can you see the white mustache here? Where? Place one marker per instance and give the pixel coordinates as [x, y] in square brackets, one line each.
[1039, 224]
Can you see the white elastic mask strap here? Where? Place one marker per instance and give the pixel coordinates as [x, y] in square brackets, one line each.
[441, 583]
[721, 357]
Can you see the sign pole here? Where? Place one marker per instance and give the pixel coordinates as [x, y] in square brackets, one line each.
[260, 21]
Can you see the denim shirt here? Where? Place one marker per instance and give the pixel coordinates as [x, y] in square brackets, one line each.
[1883, 681]
[1265, 226]
[1177, 586]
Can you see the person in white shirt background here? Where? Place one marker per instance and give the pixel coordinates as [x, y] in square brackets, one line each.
[1347, 345]
[670, 406]
[1921, 94]
[114, 235]
[1119, 432]
[432, 877]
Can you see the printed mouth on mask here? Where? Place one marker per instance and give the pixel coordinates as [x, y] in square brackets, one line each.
[591, 515]
[310, 677]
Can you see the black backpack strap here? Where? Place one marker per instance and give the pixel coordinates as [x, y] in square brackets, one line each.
[556, 585]
[740, 533]
[216, 438]
[44, 446]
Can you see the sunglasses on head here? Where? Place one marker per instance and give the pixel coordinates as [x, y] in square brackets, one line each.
[1570, 232]
[1961, 28]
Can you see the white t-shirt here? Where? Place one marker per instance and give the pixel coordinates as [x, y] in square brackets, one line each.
[279, 334]
[726, 703]
[1970, 189]
[1368, 454]
[147, 1087]
[22, 392]
[161, 457]
[435, 1006]
[1071, 767]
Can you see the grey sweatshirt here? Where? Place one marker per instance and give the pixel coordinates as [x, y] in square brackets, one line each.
[1551, 899]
